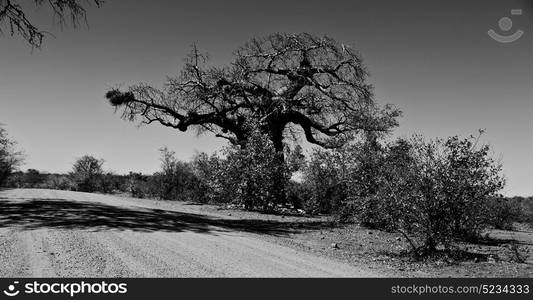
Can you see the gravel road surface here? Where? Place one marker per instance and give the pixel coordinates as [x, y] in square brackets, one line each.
[49, 233]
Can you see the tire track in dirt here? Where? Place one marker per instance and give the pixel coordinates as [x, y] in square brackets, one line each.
[37, 254]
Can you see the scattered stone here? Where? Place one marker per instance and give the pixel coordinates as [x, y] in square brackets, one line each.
[229, 215]
[370, 232]
[476, 260]
[399, 239]
[322, 237]
[334, 246]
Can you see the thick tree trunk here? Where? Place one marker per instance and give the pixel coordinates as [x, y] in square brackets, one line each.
[276, 128]
[278, 143]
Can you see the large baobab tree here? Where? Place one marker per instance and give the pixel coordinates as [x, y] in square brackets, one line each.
[14, 19]
[277, 82]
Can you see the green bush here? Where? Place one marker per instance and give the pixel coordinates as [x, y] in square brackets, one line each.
[503, 212]
[298, 195]
[177, 180]
[15, 180]
[110, 183]
[10, 158]
[213, 185]
[254, 177]
[343, 181]
[58, 182]
[325, 181]
[433, 192]
[87, 174]
[257, 174]
[33, 178]
[525, 206]
[138, 185]
[436, 192]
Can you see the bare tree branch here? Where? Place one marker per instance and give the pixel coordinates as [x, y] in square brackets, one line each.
[315, 83]
[14, 19]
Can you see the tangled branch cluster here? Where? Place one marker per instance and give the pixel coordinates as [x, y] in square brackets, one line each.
[282, 80]
[14, 19]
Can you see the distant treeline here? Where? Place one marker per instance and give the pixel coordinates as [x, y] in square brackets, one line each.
[525, 206]
[186, 173]
[110, 183]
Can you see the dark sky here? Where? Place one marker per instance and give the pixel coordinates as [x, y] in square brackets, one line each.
[431, 58]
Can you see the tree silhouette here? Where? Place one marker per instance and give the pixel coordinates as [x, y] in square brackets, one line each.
[13, 16]
[87, 173]
[296, 81]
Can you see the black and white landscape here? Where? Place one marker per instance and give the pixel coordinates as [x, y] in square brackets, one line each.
[266, 139]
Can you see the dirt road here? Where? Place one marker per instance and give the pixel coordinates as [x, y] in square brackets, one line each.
[48, 233]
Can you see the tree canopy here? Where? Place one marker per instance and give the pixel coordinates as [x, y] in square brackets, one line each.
[278, 82]
[87, 172]
[14, 19]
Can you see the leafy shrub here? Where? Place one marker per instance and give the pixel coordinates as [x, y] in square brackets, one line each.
[438, 191]
[58, 182]
[111, 183]
[257, 174]
[298, 195]
[503, 212]
[87, 173]
[254, 177]
[210, 172]
[177, 180]
[433, 192]
[10, 158]
[33, 178]
[519, 254]
[325, 181]
[343, 181]
[295, 159]
[138, 185]
[365, 175]
[525, 206]
[15, 180]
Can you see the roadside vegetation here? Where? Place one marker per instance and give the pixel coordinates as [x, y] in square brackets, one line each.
[434, 193]
[10, 157]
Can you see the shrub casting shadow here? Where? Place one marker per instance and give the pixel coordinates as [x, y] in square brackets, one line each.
[66, 214]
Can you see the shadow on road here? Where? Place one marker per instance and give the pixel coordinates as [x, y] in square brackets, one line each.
[67, 214]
